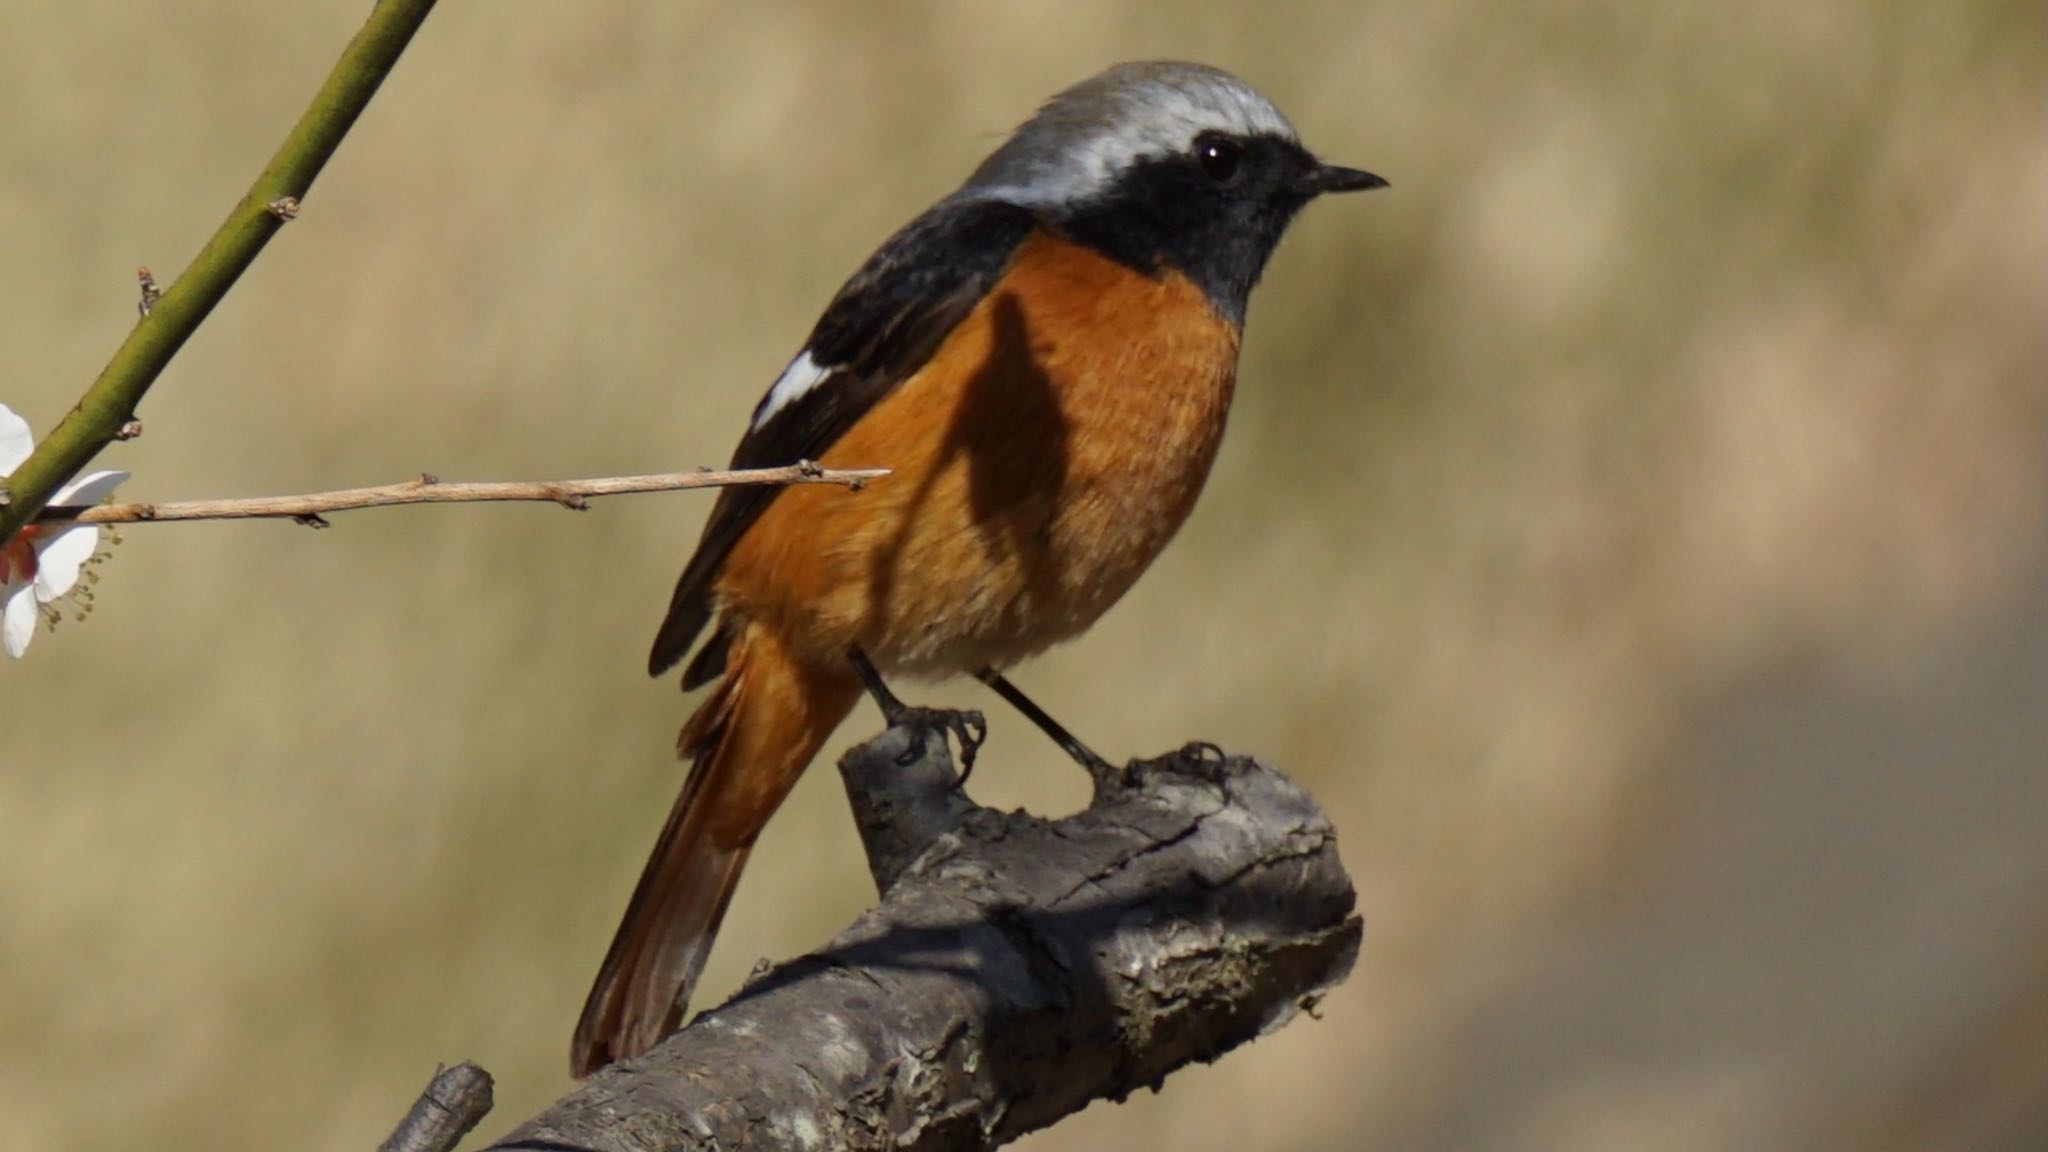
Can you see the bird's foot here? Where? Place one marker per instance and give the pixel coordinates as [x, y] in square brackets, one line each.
[1197, 758]
[964, 725]
[1201, 758]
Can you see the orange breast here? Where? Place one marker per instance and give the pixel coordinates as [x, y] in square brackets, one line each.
[1042, 459]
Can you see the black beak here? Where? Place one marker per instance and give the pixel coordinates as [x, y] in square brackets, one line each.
[1330, 178]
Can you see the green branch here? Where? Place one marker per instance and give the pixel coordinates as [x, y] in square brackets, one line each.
[271, 201]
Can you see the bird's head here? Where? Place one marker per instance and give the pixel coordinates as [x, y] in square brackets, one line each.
[1164, 163]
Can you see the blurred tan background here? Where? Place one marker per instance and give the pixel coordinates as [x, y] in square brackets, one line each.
[1632, 528]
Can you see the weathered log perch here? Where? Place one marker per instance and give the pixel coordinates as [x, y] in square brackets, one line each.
[1015, 970]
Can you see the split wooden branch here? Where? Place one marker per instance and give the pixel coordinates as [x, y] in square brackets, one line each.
[1015, 970]
[455, 1101]
[428, 489]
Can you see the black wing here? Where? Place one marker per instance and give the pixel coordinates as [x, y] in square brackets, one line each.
[881, 328]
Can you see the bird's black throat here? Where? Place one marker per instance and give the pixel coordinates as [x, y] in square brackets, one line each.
[1165, 214]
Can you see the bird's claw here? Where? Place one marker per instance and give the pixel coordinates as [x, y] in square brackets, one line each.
[965, 725]
[1200, 759]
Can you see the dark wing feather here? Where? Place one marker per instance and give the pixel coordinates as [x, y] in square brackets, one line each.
[877, 332]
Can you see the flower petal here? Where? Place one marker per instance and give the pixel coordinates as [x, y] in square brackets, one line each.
[16, 440]
[18, 620]
[58, 558]
[90, 488]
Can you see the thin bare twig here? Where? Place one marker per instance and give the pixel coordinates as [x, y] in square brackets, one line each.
[429, 489]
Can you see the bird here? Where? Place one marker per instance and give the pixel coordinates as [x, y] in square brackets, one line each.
[1043, 361]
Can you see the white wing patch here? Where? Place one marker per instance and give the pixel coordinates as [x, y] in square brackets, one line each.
[802, 375]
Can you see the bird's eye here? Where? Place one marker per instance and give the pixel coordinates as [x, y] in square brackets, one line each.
[1219, 157]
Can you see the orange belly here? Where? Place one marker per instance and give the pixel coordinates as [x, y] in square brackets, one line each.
[1040, 460]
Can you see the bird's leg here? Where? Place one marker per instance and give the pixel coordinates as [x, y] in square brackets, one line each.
[965, 725]
[1108, 778]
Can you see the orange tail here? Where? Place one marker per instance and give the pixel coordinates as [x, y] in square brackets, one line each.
[747, 744]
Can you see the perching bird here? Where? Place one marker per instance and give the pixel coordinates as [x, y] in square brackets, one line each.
[1043, 360]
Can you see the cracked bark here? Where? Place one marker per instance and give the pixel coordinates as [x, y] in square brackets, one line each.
[1015, 970]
